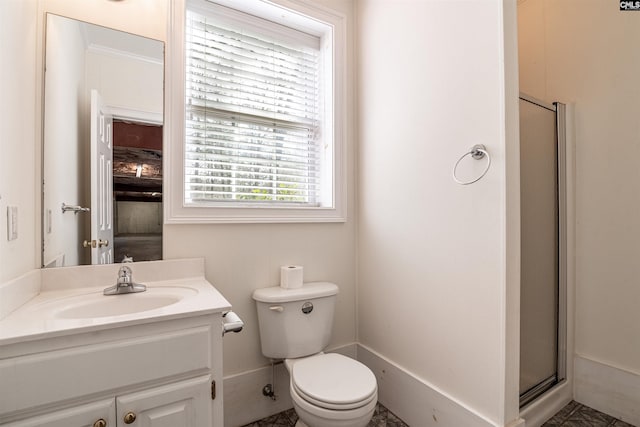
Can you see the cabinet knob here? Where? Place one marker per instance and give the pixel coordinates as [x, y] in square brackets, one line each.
[129, 417]
[100, 423]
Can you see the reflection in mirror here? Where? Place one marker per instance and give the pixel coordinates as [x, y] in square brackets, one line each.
[102, 150]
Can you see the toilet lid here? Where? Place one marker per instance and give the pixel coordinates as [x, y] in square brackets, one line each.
[334, 381]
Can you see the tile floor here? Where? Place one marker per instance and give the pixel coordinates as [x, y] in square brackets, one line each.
[382, 417]
[578, 415]
[572, 415]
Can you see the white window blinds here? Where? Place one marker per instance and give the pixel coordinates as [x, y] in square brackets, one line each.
[252, 114]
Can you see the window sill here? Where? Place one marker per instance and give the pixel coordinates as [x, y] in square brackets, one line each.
[245, 215]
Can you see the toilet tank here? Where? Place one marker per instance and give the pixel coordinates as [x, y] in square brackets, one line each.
[295, 322]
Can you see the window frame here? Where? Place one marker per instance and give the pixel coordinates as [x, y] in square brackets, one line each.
[176, 211]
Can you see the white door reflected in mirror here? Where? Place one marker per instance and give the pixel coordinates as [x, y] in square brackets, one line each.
[101, 181]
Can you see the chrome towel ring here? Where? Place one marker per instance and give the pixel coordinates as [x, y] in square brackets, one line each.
[477, 152]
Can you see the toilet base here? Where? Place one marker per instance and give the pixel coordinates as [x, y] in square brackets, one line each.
[300, 423]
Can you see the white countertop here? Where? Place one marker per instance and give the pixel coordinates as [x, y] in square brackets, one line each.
[40, 317]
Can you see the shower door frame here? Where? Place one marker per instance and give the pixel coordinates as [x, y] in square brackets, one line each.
[560, 376]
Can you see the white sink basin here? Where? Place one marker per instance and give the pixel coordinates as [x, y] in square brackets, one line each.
[56, 302]
[96, 305]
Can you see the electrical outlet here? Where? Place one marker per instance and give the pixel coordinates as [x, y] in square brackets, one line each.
[12, 223]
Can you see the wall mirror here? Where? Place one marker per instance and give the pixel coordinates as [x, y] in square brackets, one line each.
[102, 145]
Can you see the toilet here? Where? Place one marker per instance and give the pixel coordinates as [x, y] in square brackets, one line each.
[327, 389]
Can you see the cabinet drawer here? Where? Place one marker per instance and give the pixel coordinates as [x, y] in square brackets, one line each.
[79, 416]
[46, 378]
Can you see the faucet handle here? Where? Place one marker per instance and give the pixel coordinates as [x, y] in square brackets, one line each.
[127, 258]
[125, 283]
[124, 275]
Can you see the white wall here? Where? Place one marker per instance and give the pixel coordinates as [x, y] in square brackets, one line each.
[64, 146]
[433, 292]
[18, 156]
[586, 52]
[142, 17]
[138, 217]
[128, 82]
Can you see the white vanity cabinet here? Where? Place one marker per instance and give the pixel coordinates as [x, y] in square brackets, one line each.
[156, 374]
[181, 404]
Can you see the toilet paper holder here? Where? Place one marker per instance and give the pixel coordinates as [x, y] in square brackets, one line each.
[231, 322]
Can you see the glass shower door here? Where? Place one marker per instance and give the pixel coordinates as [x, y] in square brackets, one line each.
[540, 249]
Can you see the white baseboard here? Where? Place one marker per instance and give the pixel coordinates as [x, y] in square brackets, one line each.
[416, 402]
[243, 398]
[547, 405]
[608, 389]
[413, 400]
[516, 423]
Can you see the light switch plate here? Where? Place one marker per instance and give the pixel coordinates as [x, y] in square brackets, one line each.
[12, 223]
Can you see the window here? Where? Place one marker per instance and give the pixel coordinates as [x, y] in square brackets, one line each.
[262, 140]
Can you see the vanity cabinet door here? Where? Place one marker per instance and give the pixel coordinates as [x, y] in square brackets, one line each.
[89, 415]
[181, 404]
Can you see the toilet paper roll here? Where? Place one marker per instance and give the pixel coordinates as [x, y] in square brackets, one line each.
[291, 276]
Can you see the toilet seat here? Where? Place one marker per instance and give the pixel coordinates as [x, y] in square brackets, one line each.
[333, 381]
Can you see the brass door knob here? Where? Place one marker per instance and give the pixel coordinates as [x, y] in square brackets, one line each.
[129, 417]
[95, 243]
[100, 423]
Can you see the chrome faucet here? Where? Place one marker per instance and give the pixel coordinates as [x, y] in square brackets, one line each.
[125, 283]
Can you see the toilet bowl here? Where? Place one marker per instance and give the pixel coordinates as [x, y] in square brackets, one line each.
[331, 390]
[327, 389]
